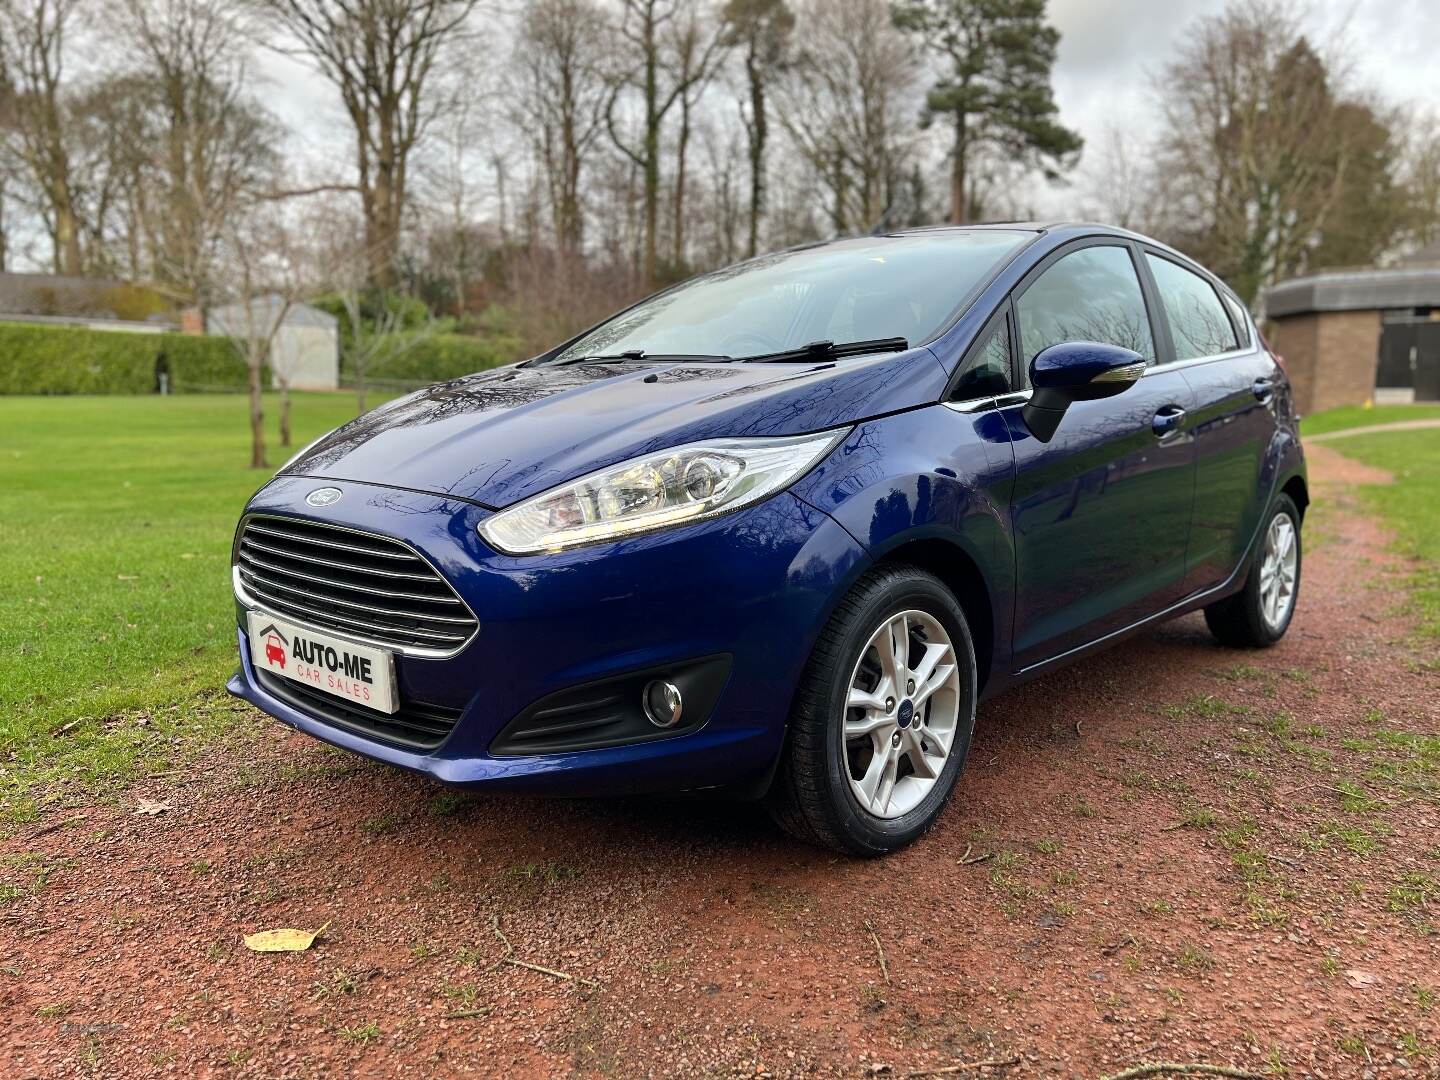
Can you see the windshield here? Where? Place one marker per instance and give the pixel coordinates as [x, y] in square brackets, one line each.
[853, 290]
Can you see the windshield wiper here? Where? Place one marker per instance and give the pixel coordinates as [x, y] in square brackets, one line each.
[635, 355]
[828, 350]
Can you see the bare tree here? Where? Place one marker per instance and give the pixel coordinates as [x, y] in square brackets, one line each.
[32, 61]
[723, 216]
[1119, 184]
[761, 30]
[695, 51]
[208, 141]
[1421, 179]
[560, 97]
[1264, 145]
[261, 264]
[380, 55]
[646, 27]
[842, 103]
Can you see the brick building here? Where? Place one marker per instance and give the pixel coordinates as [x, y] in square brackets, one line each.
[1359, 335]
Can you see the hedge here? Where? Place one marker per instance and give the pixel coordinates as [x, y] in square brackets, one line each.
[40, 359]
[436, 357]
[198, 364]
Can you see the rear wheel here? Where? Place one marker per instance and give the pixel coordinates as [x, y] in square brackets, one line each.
[883, 717]
[1259, 614]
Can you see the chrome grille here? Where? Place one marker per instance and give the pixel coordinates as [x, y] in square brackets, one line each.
[357, 584]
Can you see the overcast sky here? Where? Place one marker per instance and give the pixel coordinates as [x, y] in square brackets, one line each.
[1108, 49]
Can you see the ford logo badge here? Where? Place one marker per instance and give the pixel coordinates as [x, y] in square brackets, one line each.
[323, 497]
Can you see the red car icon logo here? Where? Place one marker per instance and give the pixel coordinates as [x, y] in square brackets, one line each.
[275, 650]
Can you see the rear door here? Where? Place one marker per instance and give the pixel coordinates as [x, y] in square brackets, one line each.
[1234, 381]
[1101, 513]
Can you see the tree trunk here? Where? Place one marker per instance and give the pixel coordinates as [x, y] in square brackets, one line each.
[757, 133]
[502, 221]
[68, 259]
[570, 229]
[380, 241]
[257, 414]
[678, 240]
[958, 213]
[284, 412]
[652, 157]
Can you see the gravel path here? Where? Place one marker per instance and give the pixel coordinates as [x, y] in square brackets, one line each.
[1170, 852]
[1371, 429]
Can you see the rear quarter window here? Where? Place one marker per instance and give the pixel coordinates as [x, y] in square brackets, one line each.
[1240, 317]
[1198, 321]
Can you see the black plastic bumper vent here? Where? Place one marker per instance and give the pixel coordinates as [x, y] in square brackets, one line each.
[415, 725]
[610, 712]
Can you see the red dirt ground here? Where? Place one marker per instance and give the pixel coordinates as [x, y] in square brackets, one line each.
[1172, 870]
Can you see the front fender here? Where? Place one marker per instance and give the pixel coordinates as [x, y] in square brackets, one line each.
[932, 479]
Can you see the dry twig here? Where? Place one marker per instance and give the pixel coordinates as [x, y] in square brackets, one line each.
[967, 1066]
[880, 952]
[1155, 1068]
[53, 826]
[968, 860]
[509, 958]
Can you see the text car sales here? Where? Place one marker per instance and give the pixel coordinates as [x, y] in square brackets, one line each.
[341, 671]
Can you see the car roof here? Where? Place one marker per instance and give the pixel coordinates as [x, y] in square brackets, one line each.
[1064, 231]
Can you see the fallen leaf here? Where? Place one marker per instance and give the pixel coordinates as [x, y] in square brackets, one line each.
[151, 807]
[1360, 979]
[282, 940]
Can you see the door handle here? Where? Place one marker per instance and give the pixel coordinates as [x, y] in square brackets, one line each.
[1263, 389]
[1167, 421]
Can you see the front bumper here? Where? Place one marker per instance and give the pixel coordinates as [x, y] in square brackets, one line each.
[755, 586]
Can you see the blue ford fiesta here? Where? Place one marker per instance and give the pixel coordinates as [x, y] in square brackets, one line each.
[777, 530]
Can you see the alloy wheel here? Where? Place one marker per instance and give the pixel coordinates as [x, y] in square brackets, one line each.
[901, 713]
[1278, 570]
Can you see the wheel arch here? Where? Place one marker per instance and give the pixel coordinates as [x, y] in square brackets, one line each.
[1299, 492]
[958, 570]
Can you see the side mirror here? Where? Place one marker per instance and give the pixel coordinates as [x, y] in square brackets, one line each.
[1076, 371]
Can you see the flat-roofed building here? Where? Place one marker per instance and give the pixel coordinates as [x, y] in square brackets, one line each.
[1352, 336]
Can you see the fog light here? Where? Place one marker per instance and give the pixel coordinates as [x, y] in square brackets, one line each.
[662, 703]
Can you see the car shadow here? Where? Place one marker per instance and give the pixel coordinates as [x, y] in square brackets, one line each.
[1035, 727]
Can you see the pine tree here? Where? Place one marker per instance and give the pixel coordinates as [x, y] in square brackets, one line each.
[996, 92]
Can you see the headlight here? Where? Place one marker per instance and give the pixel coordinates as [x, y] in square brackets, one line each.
[673, 487]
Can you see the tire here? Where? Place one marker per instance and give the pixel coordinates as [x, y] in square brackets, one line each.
[1245, 620]
[814, 796]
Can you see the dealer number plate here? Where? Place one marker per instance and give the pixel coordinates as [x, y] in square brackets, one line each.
[360, 674]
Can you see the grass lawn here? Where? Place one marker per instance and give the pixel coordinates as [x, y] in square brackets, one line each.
[116, 515]
[1410, 506]
[1351, 416]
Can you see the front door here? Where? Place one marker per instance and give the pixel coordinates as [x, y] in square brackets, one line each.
[1101, 513]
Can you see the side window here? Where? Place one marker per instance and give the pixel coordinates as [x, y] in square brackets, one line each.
[987, 369]
[1240, 317]
[1198, 321]
[1089, 295]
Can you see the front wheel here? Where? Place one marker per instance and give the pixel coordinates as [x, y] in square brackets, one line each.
[882, 719]
[1259, 614]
